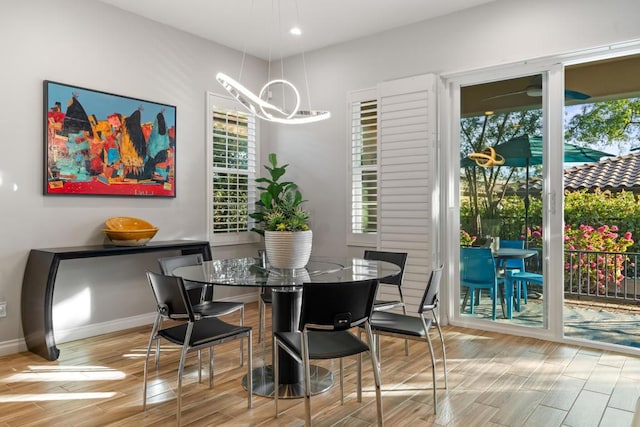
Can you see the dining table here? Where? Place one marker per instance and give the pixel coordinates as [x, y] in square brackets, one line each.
[286, 286]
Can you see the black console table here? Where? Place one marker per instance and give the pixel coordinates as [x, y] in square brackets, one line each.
[40, 276]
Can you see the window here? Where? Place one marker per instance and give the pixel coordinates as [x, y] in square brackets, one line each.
[364, 166]
[231, 157]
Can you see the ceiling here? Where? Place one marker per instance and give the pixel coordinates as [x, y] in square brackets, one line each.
[601, 80]
[250, 25]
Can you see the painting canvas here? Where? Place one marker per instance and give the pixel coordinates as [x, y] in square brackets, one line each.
[97, 143]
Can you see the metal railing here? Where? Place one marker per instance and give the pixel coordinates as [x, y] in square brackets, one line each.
[603, 276]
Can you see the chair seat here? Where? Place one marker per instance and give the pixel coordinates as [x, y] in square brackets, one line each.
[527, 276]
[387, 304]
[205, 331]
[395, 323]
[325, 345]
[216, 308]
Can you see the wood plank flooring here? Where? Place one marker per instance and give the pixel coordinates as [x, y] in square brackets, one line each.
[494, 380]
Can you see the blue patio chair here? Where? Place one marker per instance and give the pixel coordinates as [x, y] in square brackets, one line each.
[478, 271]
[520, 276]
[518, 280]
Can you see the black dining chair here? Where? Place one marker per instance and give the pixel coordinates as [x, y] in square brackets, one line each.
[415, 328]
[192, 333]
[201, 296]
[327, 313]
[399, 259]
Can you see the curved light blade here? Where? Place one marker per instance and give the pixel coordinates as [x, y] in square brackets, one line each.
[265, 110]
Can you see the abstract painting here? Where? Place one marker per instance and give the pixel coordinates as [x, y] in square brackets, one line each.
[102, 144]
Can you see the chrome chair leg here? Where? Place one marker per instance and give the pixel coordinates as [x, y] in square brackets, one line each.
[359, 378]
[444, 351]
[250, 370]
[406, 341]
[341, 383]
[307, 379]
[276, 374]
[376, 375]
[242, 341]
[262, 322]
[210, 366]
[157, 356]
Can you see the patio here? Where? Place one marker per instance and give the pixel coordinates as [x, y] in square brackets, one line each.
[605, 322]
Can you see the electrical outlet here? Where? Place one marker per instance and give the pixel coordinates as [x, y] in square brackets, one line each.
[3, 309]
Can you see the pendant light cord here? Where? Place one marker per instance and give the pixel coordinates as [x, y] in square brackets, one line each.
[304, 62]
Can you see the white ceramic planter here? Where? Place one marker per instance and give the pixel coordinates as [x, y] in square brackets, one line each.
[288, 249]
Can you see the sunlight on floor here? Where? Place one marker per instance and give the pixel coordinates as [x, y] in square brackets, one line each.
[43, 397]
[66, 373]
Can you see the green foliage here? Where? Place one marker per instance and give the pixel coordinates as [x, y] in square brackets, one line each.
[279, 205]
[606, 122]
[485, 187]
[601, 207]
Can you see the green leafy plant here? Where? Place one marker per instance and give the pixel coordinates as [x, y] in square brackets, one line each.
[279, 207]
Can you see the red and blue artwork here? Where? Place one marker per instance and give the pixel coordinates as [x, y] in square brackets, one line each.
[103, 144]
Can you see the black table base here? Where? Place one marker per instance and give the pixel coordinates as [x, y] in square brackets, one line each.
[263, 384]
[286, 303]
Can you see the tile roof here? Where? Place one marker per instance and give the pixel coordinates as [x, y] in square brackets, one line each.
[614, 173]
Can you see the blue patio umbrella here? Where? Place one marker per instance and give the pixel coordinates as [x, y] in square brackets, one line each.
[525, 151]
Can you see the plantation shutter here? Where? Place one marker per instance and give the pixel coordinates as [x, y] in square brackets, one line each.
[363, 156]
[231, 171]
[407, 137]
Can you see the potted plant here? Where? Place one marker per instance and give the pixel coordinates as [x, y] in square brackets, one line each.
[281, 219]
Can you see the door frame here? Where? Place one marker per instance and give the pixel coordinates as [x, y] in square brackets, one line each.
[552, 70]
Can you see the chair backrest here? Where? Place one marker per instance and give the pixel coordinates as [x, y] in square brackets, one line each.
[477, 265]
[168, 264]
[336, 306]
[171, 296]
[430, 296]
[513, 262]
[397, 258]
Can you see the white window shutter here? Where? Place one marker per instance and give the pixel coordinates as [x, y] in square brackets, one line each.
[407, 137]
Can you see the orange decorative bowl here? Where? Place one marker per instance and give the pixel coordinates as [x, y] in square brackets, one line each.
[129, 231]
[126, 223]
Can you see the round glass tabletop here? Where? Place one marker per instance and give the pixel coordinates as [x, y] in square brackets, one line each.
[249, 272]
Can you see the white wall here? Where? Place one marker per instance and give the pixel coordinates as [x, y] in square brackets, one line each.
[502, 32]
[90, 44]
[93, 45]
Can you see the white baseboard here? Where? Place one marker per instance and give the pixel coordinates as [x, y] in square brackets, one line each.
[12, 346]
[86, 331]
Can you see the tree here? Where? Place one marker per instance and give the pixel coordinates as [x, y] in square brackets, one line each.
[606, 123]
[486, 187]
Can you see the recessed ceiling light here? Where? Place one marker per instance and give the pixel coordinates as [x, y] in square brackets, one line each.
[296, 31]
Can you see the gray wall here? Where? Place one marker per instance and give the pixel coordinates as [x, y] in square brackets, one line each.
[501, 32]
[94, 45]
[90, 44]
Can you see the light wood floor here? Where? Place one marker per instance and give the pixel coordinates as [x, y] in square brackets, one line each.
[493, 380]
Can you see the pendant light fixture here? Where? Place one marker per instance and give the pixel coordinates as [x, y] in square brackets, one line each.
[260, 104]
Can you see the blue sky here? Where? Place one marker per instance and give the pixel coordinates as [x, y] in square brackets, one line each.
[103, 104]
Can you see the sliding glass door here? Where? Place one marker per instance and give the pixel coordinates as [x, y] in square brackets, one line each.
[500, 198]
[546, 190]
